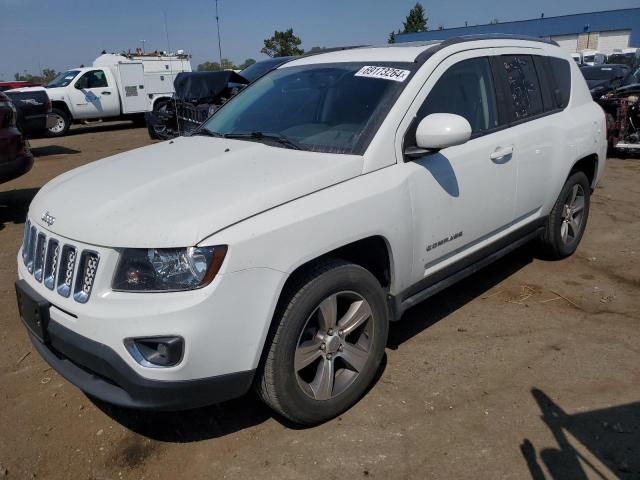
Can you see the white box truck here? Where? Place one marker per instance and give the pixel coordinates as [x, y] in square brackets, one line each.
[117, 86]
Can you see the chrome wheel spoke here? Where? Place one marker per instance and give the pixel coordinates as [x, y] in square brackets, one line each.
[353, 356]
[574, 193]
[564, 230]
[358, 313]
[327, 313]
[575, 227]
[578, 204]
[322, 385]
[307, 353]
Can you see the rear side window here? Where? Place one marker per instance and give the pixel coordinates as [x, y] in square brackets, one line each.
[560, 73]
[523, 86]
[465, 89]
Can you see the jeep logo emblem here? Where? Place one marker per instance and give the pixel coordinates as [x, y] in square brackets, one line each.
[48, 218]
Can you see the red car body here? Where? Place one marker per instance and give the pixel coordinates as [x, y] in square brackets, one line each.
[15, 157]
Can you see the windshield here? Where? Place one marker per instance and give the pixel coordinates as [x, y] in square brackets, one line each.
[255, 71]
[624, 58]
[333, 108]
[588, 58]
[63, 79]
[604, 73]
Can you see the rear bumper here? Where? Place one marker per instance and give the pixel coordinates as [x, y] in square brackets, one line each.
[101, 373]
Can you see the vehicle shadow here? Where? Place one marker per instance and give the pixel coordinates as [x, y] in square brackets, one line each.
[611, 435]
[53, 150]
[102, 127]
[14, 205]
[203, 423]
[434, 309]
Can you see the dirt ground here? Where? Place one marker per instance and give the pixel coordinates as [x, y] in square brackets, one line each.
[528, 369]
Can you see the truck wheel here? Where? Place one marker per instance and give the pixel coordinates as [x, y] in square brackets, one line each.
[568, 218]
[326, 345]
[63, 122]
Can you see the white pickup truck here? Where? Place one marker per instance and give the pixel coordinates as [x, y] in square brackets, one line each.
[116, 86]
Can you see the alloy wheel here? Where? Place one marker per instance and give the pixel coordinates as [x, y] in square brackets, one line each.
[334, 345]
[572, 215]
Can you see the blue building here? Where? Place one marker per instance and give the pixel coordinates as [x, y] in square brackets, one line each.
[603, 31]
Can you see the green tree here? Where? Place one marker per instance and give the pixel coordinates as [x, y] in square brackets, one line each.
[392, 37]
[208, 67]
[416, 20]
[48, 74]
[282, 44]
[247, 63]
[227, 64]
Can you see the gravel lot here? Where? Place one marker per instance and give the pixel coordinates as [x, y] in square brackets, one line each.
[529, 369]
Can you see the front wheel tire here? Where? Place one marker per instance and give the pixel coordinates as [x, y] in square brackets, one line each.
[327, 345]
[62, 125]
[568, 218]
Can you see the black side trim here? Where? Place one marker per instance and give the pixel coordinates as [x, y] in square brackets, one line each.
[100, 372]
[455, 272]
[424, 56]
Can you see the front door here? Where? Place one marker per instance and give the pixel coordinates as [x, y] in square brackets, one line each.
[462, 196]
[94, 96]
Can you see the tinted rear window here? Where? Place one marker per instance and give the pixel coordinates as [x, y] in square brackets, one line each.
[560, 73]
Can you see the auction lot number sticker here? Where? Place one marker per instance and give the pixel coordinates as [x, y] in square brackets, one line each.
[386, 73]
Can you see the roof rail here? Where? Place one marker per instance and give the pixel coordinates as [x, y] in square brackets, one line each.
[424, 56]
[329, 50]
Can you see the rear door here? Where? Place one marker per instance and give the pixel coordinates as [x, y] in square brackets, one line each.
[463, 196]
[526, 82]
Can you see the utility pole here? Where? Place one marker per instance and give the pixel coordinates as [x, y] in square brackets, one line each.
[219, 43]
[143, 42]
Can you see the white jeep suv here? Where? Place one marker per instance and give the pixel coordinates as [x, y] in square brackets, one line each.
[273, 247]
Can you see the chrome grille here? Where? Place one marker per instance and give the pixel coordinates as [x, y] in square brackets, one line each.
[51, 263]
[59, 266]
[86, 275]
[38, 261]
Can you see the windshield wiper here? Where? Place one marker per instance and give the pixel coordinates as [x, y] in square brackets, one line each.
[276, 137]
[206, 133]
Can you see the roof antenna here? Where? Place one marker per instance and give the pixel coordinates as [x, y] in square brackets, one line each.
[219, 43]
[169, 54]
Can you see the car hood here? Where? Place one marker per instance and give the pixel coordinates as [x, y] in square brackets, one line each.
[177, 193]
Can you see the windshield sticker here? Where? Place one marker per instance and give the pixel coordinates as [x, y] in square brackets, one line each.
[386, 73]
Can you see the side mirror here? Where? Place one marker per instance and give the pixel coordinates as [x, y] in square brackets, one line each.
[438, 131]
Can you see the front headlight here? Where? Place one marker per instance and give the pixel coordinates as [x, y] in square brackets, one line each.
[167, 269]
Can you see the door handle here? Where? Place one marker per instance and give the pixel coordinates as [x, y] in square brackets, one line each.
[502, 153]
[105, 93]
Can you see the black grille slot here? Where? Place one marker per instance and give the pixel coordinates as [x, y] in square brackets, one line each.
[67, 266]
[51, 264]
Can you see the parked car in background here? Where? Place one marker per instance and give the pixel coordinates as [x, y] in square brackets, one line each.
[15, 157]
[117, 86]
[622, 107]
[593, 57]
[34, 111]
[273, 246]
[604, 78]
[627, 56]
[198, 95]
[4, 86]
[577, 57]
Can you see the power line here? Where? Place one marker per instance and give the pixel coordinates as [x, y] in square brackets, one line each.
[219, 43]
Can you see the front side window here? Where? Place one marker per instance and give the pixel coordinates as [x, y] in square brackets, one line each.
[524, 88]
[333, 108]
[465, 89]
[92, 79]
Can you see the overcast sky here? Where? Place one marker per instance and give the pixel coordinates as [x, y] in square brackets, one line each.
[66, 33]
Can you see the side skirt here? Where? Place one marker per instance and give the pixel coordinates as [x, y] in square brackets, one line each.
[451, 274]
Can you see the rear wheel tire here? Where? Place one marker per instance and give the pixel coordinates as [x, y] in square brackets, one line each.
[63, 123]
[568, 218]
[326, 345]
